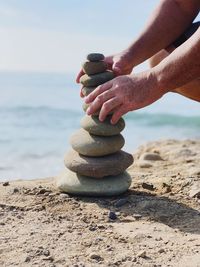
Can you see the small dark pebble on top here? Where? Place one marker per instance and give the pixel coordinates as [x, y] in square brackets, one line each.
[95, 57]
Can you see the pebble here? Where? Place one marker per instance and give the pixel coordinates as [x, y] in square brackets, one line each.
[95, 256]
[96, 79]
[161, 250]
[91, 68]
[93, 125]
[15, 190]
[112, 215]
[63, 195]
[6, 184]
[147, 186]
[87, 90]
[95, 57]
[113, 164]
[73, 183]
[195, 190]
[151, 156]
[144, 164]
[142, 254]
[91, 145]
[137, 216]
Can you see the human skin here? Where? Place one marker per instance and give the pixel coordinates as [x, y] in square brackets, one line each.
[134, 91]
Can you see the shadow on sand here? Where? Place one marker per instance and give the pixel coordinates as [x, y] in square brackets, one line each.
[156, 208]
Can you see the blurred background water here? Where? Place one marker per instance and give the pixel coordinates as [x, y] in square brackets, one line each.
[39, 113]
[42, 45]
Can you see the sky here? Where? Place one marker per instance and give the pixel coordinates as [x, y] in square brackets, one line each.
[55, 36]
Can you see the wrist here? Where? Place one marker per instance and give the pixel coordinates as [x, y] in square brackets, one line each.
[159, 79]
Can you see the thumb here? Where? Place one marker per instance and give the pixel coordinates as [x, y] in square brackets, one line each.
[117, 67]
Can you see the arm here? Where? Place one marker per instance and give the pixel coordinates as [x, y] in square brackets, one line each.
[169, 20]
[131, 92]
[181, 66]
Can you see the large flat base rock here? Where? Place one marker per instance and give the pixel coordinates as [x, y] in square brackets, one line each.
[72, 183]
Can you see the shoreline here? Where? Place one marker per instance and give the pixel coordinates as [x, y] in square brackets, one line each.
[157, 220]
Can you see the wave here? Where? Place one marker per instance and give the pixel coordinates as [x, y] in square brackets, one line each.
[65, 114]
[164, 119]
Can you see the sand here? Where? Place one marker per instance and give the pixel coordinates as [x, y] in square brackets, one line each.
[157, 224]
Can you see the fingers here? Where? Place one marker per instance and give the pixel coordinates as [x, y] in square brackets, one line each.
[79, 76]
[99, 90]
[108, 106]
[118, 114]
[109, 61]
[99, 101]
[81, 93]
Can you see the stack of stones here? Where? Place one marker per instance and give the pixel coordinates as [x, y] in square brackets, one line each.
[96, 166]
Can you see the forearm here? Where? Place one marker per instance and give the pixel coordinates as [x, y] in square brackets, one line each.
[169, 20]
[181, 66]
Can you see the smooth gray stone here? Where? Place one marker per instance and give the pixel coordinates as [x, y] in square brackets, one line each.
[96, 79]
[87, 90]
[85, 107]
[92, 145]
[72, 183]
[91, 68]
[95, 57]
[113, 164]
[92, 125]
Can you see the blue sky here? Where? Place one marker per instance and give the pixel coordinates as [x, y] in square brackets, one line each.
[55, 35]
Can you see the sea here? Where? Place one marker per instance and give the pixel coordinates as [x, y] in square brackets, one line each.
[40, 111]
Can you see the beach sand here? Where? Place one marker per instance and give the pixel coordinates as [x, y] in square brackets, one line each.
[158, 219]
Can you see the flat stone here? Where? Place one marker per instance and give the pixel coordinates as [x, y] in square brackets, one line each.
[92, 125]
[87, 90]
[86, 106]
[95, 146]
[96, 79]
[91, 68]
[95, 57]
[113, 164]
[151, 156]
[72, 183]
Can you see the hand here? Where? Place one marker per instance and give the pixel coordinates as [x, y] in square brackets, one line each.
[120, 64]
[123, 94]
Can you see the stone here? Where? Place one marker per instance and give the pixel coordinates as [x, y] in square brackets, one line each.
[91, 68]
[93, 125]
[73, 183]
[87, 90]
[96, 79]
[112, 215]
[151, 156]
[6, 183]
[85, 107]
[195, 190]
[142, 254]
[91, 145]
[113, 164]
[148, 186]
[144, 164]
[95, 57]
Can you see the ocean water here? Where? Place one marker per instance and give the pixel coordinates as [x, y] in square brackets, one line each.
[39, 113]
